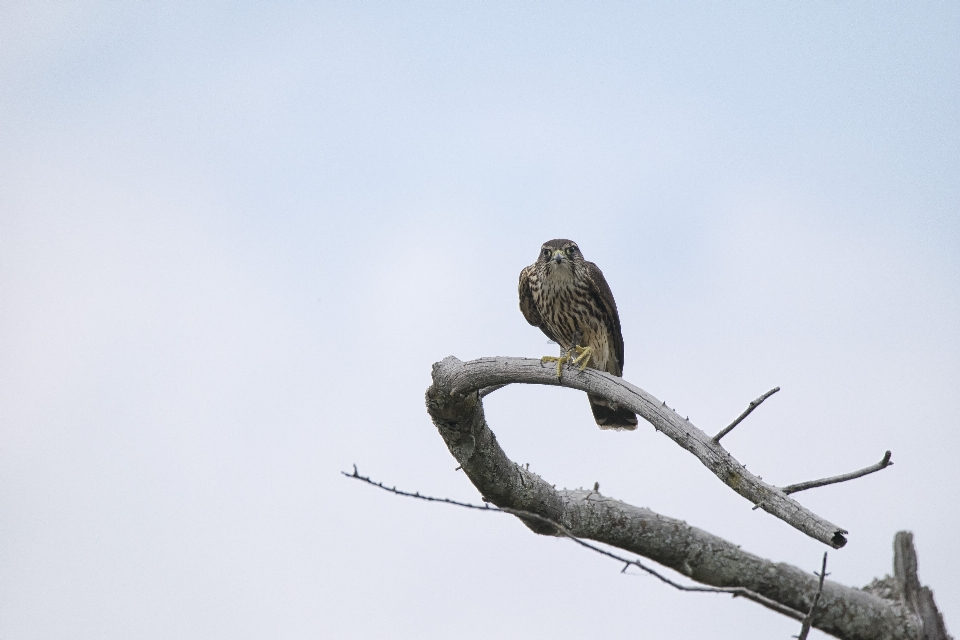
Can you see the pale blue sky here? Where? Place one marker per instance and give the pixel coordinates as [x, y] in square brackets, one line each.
[235, 237]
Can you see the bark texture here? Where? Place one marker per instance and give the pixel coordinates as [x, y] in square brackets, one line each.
[918, 598]
[454, 403]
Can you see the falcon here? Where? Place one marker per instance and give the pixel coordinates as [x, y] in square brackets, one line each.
[567, 298]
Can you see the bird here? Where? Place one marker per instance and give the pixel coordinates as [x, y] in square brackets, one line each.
[567, 298]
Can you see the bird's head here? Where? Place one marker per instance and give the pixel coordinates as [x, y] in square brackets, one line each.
[559, 254]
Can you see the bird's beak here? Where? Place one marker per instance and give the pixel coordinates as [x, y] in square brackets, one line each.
[558, 256]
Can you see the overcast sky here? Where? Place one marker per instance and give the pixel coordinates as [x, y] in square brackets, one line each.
[234, 239]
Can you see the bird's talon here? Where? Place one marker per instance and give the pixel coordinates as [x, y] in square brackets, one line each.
[583, 353]
[562, 360]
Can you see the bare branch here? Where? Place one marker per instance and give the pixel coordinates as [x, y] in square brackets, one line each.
[734, 591]
[803, 486]
[845, 612]
[753, 405]
[355, 474]
[462, 378]
[808, 620]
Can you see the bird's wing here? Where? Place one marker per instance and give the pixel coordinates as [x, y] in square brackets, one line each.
[527, 306]
[602, 291]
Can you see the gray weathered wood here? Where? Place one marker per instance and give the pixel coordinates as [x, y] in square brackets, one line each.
[853, 475]
[457, 411]
[917, 598]
[743, 416]
[465, 377]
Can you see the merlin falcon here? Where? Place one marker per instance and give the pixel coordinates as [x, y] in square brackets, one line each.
[568, 299]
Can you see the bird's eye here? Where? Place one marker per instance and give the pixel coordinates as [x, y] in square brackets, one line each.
[546, 252]
[571, 250]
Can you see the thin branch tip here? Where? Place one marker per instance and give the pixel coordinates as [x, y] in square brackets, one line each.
[753, 405]
[808, 619]
[853, 475]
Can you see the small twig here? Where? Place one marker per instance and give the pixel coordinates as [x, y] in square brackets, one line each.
[734, 591]
[417, 494]
[753, 405]
[803, 486]
[808, 620]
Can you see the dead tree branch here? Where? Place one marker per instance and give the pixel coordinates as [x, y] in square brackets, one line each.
[417, 495]
[461, 378]
[457, 412]
[808, 620]
[753, 405]
[803, 486]
[734, 591]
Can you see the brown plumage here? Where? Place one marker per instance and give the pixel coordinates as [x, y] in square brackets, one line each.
[568, 299]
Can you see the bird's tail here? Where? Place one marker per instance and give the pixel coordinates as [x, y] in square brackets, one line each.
[611, 416]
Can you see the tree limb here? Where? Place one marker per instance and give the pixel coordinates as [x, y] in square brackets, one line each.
[810, 484]
[457, 412]
[466, 377]
[734, 591]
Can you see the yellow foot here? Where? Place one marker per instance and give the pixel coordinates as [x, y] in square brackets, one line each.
[583, 353]
[562, 360]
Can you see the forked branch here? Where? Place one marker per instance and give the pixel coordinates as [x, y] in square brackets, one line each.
[456, 408]
[463, 378]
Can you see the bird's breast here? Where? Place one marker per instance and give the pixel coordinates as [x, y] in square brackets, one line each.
[571, 312]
